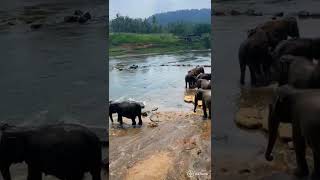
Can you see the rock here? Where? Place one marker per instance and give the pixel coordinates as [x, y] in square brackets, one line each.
[244, 171]
[219, 13]
[248, 118]
[303, 14]
[278, 14]
[35, 26]
[188, 99]
[11, 23]
[235, 12]
[84, 18]
[152, 124]
[78, 12]
[251, 12]
[133, 66]
[155, 109]
[71, 19]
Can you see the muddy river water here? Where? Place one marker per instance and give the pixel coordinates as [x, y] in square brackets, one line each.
[158, 81]
[55, 73]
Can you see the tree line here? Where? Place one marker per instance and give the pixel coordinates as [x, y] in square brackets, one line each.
[137, 25]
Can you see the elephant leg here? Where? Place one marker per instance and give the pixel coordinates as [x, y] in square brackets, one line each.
[120, 119]
[252, 75]
[34, 174]
[204, 108]
[300, 149]
[96, 173]
[6, 173]
[140, 120]
[134, 120]
[242, 73]
[78, 176]
[316, 160]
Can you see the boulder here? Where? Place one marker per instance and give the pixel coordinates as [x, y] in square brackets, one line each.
[248, 118]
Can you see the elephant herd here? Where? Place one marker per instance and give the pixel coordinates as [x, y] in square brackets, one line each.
[196, 78]
[294, 65]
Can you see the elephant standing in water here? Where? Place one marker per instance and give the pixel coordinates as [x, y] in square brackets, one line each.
[302, 109]
[205, 96]
[191, 77]
[206, 76]
[127, 109]
[64, 150]
[299, 72]
[255, 51]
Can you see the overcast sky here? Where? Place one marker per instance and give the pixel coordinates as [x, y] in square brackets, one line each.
[145, 8]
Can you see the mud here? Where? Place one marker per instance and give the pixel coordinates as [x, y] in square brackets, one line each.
[177, 147]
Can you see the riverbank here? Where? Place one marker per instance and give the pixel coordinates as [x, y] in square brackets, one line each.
[168, 147]
[132, 44]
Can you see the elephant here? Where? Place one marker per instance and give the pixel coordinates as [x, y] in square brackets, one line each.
[278, 30]
[203, 84]
[206, 76]
[205, 96]
[191, 77]
[306, 47]
[255, 51]
[66, 151]
[301, 108]
[128, 109]
[297, 71]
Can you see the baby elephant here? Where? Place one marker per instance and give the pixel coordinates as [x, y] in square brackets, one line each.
[127, 109]
[205, 96]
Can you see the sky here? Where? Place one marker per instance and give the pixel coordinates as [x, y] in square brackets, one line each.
[146, 8]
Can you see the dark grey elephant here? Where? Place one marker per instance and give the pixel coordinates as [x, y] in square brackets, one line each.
[191, 77]
[205, 96]
[302, 109]
[128, 109]
[203, 84]
[64, 150]
[255, 51]
[306, 47]
[300, 72]
[206, 76]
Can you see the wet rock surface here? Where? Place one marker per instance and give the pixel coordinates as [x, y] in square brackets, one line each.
[179, 142]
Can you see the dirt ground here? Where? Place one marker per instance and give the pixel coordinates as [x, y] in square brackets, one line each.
[174, 145]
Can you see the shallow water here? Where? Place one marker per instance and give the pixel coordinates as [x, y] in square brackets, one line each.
[156, 85]
[55, 73]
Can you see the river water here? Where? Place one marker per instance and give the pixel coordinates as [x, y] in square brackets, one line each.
[158, 81]
[56, 73]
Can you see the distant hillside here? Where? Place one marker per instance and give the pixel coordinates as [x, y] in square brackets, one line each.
[193, 15]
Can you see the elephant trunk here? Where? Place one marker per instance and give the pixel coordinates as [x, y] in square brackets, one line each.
[273, 125]
[5, 173]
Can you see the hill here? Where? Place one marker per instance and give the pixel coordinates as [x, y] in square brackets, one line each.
[198, 16]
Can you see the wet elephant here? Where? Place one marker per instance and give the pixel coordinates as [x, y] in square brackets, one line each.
[306, 47]
[302, 109]
[191, 77]
[255, 51]
[64, 150]
[206, 76]
[205, 96]
[203, 84]
[128, 109]
[297, 71]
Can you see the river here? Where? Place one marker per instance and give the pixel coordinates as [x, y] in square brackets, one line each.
[158, 81]
[55, 73]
